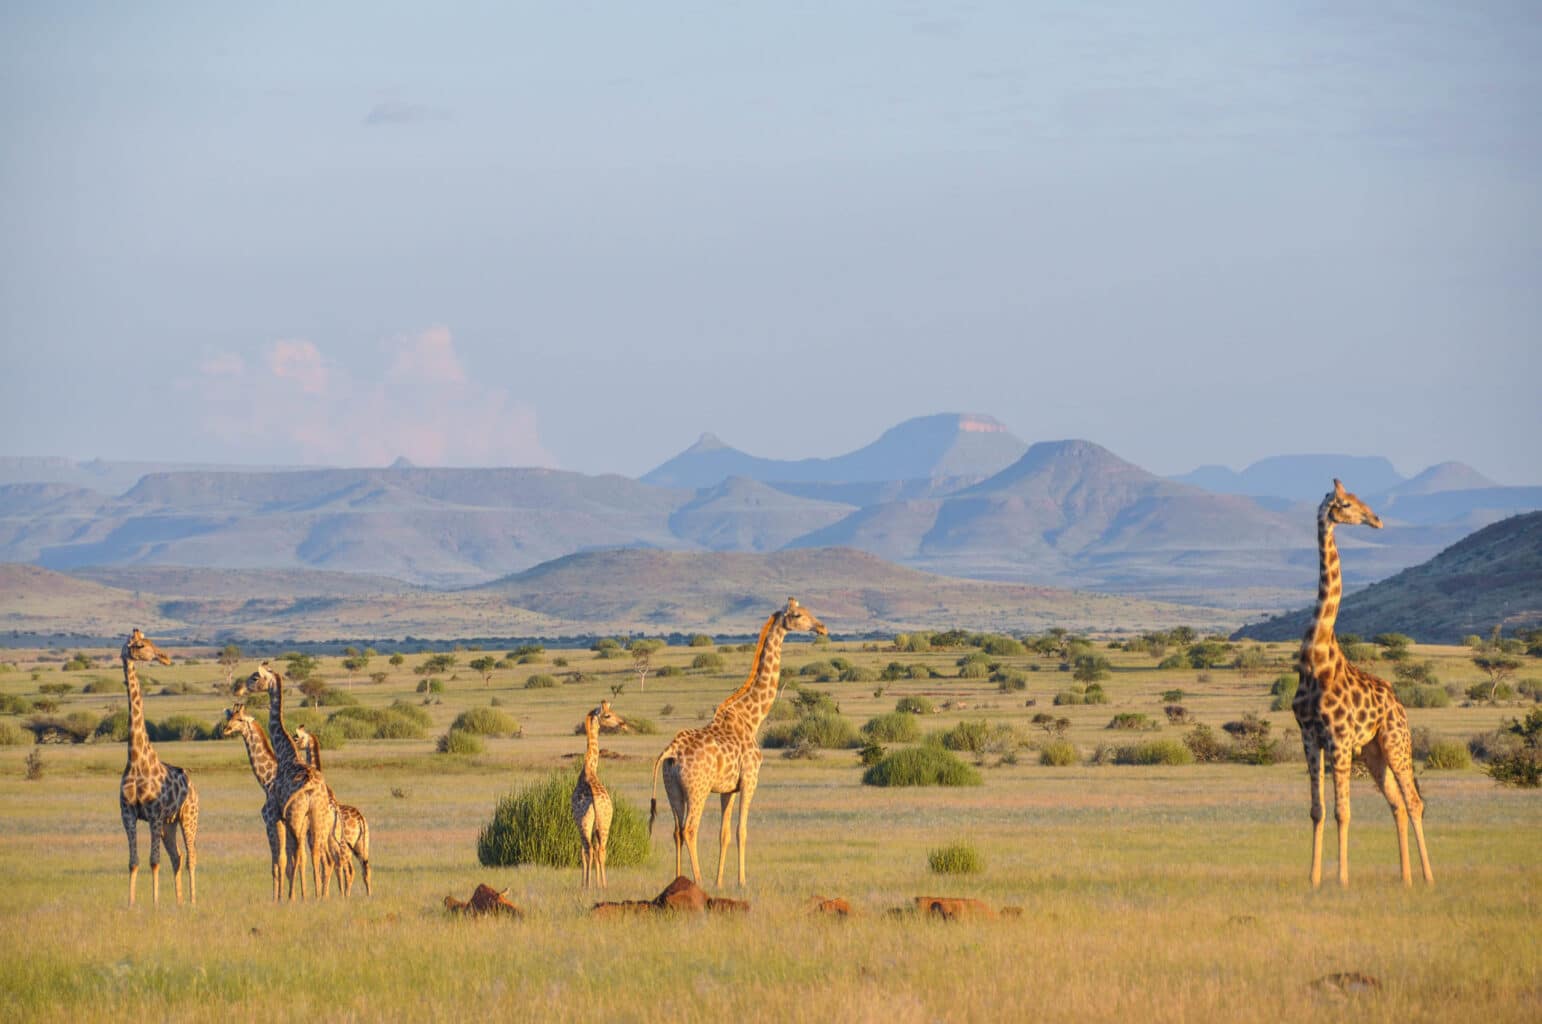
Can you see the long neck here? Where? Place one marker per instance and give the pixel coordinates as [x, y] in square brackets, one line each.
[264, 761]
[312, 751]
[591, 750]
[1330, 587]
[753, 700]
[139, 740]
[283, 746]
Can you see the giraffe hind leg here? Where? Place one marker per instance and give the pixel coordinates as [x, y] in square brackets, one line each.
[189, 821]
[131, 827]
[169, 837]
[1343, 763]
[1314, 772]
[725, 835]
[1381, 771]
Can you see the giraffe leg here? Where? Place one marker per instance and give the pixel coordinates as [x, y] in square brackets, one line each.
[1399, 754]
[131, 827]
[189, 822]
[1314, 772]
[599, 853]
[169, 837]
[744, 828]
[155, 865]
[696, 803]
[583, 856]
[1381, 772]
[725, 834]
[1343, 762]
[361, 850]
[276, 856]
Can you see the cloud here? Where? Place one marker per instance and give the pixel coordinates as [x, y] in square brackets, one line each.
[394, 112]
[292, 404]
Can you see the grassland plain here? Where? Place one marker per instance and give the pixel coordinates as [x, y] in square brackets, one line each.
[1163, 893]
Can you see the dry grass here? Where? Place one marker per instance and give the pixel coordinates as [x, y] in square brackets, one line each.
[1162, 892]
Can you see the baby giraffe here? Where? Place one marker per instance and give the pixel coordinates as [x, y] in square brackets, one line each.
[592, 808]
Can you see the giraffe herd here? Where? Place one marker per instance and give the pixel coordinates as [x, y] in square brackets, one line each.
[1343, 713]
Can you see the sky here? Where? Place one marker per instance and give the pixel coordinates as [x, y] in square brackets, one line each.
[580, 235]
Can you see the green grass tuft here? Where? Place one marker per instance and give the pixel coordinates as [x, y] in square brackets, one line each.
[921, 766]
[955, 859]
[535, 826]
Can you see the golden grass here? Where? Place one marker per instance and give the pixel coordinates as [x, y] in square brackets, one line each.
[1158, 894]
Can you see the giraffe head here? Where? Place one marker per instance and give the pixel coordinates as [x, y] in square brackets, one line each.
[1342, 507]
[261, 680]
[139, 648]
[236, 720]
[797, 619]
[605, 718]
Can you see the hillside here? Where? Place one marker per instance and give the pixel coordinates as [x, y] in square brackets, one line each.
[740, 514]
[1299, 477]
[35, 600]
[1493, 576]
[945, 445]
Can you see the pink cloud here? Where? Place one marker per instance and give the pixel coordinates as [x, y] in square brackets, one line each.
[293, 404]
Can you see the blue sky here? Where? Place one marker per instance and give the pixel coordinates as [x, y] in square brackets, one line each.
[579, 236]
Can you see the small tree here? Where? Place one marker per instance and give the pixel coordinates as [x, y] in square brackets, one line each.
[1249, 660]
[230, 656]
[485, 666]
[1499, 668]
[1090, 668]
[642, 660]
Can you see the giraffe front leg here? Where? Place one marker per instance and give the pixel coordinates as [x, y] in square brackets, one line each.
[695, 804]
[724, 835]
[131, 827]
[155, 865]
[276, 856]
[169, 837]
[1381, 772]
[1314, 772]
[1342, 764]
[744, 829]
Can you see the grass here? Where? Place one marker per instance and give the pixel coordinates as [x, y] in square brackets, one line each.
[1175, 892]
[955, 859]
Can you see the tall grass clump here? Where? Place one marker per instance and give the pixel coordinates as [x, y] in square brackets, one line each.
[892, 727]
[1283, 691]
[955, 859]
[921, 766]
[458, 741]
[822, 728]
[486, 722]
[1058, 754]
[915, 706]
[1447, 755]
[535, 826]
[1154, 752]
[13, 735]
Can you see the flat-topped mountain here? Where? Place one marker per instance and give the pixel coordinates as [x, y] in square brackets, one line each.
[1493, 577]
[946, 445]
[1299, 477]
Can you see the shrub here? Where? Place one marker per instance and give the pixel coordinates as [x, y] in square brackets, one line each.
[1447, 755]
[535, 826]
[1416, 695]
[398, 722]
[486, 722]
[976, 737]
[709, 661]
[700, 640]
[14, 736]
[457, 741]
[1008, 682]
[642, 726]
[955, 859]
[1089, 668]
[10, 704]
[809, 702]
[893, 727]
[540, 681]
[114, 728]
[1090, 694]
[822, 728]
[921, 766]
[1155, 752]
[411, 712]
[177, 727]
[819, 671]
[1205, 745]
[1172, 696]
[871, 753]
[1058, 754]
[915, 706]
[1173, 661]
[57, 689]
[1131, 720]
[971, 668]
[858, 674]
[1002, 646]
[430, 686]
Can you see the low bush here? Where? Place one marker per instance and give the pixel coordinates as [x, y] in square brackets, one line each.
[1172, 696]
[177, 727]
[535, 826]
[1089, 694]
[818, 671]
[921, 766]
[858, 674]
[1421, 695]
[1058, 754]
[114, 728]
[540, 681]
[977, 737]
[10, 704]
[822, 728]
[915, 706]
[642, 726]
[708, 661]
[1154, 752]
[12, 735]
[1010, 682]
[430, 686]
[1205, 745]
[398, 722]
[955, 859]
[486, 722]
[815, 702]
[892, 727]
[1131, 720]
[458, 741]
[1448, 755]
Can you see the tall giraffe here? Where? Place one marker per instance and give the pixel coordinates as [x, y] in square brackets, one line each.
[724, 756]
[159, 794]
[592, 807]
[306, 806]
[355, 827]
[265, 767]
[1344, 711]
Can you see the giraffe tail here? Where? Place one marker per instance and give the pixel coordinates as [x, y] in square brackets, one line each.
[653, 801]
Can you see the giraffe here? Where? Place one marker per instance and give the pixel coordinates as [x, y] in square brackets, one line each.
[1344, 711]
[355, 827]
[265, 767]
[159, 794]
[724, 756]
[306, 805]
[592, 807]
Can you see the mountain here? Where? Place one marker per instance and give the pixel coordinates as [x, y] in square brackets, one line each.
[103, 475]
[1493, 576]
[740, 514]
[947, 445]
[1299, 477]
[1443, 476]
[35, 600]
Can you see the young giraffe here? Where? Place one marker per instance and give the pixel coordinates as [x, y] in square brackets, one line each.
[265, 767]
[300, 793]
[724, 756]
[159, 794]
[592, 808]
[355, 827]
[1344, 712]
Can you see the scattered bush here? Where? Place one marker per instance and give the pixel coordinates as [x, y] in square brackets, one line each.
[892, 727]
[1490, 692]
[1089, 694]
[809, 702]
[486, 722]
[57, 689]
[955, 859]
[10, 704]
[1154, 752]
[977, 737]
[858, 674]
[818, 671]
[970, 668]
[1131, 720]
[177, 727]
[430, 686]
[1172, 696]
[921, 766]
[1205, 745]
[1447, 755]
[1010, 682]
[915, 706]
[642, 726]
[535, 826]
[822, 728]
[871, 753]
[708, 661]
[540, 681]
[12, 735]
[1415, 695]
[457, 741]
[398, 722]
[1522, 766]
[1058, 754]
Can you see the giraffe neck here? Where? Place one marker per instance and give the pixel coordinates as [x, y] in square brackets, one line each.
[752, 701]
[312, 751]
[591, 751]
[260, 751]
[139, 749]
[1319, 642]
[283, 745]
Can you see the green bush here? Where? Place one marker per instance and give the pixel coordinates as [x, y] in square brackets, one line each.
[540, 681]
[1131, 720]
[642, 726]
[822, 728]
[457, 741]
[976, 737]
[812, 702]
[486, 722]
[430, 686]
[177, 727]
[709, 661]
[921, 766]
[1417, 695]
[858, 674]
[701, 640]
[1058, 754]
[1154, 752]
[535, 826]
[1205, 745]
[914, 706]
[1090, 694]
[1172, 697]
[955, 859]
[892, 727]
[971, 668]
[10, 704]
[114, 728]
[398, 722]
[1009, 682]
[13, 735]
[1446, 755]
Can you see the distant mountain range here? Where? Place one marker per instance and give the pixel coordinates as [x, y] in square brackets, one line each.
[1493, 577]
[954, 494]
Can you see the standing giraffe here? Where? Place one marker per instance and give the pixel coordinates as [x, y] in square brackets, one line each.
[265, 767]
[1344, 712]
[355, 827]
[724, 756]
[159, 794]
[299, 791]
[592, 808]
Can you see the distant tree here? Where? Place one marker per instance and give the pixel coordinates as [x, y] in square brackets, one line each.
[397, 660]
[485, 666]
[642, 659]
[300, 665]
[1182, 636]
[701, 640]
[1394, 646]
[1208, 654]
[1499, 668]
[1089, 668]
[230, 656]
[1249, 659]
